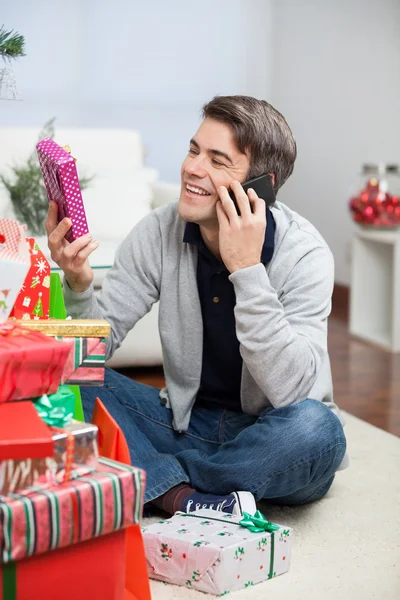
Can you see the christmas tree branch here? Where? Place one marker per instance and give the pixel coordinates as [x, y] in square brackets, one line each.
[11, 44]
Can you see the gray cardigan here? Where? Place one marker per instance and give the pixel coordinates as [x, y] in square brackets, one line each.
[281, 311]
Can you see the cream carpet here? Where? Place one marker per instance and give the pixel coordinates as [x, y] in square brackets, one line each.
[346, 546]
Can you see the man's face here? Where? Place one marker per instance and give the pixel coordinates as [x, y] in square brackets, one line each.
[213, 160]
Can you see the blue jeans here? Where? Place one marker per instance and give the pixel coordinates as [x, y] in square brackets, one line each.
[285, 456]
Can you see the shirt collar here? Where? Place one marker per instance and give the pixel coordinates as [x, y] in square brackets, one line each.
[192, 235]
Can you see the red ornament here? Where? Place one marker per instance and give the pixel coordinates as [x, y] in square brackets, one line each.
[374, 207]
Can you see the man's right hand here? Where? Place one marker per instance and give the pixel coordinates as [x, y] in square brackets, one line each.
[72, 258]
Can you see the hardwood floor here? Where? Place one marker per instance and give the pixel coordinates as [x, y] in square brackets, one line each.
[366, 379]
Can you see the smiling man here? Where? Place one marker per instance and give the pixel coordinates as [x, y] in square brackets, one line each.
[247, 413]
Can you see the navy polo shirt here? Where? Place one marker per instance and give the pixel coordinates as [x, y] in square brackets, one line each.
[222, 363]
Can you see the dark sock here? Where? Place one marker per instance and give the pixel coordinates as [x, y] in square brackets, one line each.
[173, 500]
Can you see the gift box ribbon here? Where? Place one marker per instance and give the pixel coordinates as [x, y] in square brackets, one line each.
[256, 524]
[9, 581]
[57, 409]
[69, 453]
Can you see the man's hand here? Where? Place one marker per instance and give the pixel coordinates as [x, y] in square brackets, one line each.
[241, 238]
[71, 258]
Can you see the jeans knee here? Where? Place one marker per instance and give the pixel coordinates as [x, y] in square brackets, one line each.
[319, 431]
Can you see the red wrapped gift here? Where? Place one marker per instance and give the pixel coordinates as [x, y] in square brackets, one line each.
[84, 534]
[33, 299]
[31, 364]
[92, 569]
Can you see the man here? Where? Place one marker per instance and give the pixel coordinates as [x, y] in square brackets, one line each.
[247, 413]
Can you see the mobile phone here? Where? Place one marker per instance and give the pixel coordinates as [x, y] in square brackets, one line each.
[263, 188]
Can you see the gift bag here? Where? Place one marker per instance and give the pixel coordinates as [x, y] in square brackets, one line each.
[33, 299]
[113, 445]
[57, 304]
[112, 442]
[14, 264]
[90, 570]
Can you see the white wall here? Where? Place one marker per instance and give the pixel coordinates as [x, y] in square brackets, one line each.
[331, 66]
[128, 63]
[336, 78]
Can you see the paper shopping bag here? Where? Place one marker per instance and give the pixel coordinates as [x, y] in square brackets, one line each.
[112, 442]
[33, 299]
[14, 264]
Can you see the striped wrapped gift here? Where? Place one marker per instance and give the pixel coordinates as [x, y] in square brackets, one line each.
[85, 364]
[37, 521]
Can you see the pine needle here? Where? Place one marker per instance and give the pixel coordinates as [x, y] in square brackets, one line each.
[12, 45]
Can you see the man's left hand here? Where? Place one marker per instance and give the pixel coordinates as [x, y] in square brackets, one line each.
[241, 237]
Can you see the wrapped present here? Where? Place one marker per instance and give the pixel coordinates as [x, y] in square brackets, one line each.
[14, 264]
[34, 454]
[18, 474]
[106, 500]
[91, 328]
[61, 180]
[85, 364]
[216, 553]
[31, 364]
[33, 299]
[85, 451]
[75, 453]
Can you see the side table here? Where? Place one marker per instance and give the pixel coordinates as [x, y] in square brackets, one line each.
[375, 287]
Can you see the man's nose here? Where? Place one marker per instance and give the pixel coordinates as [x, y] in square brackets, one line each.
[196, 166]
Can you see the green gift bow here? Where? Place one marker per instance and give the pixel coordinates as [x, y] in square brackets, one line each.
[56, 409]
[257, 523]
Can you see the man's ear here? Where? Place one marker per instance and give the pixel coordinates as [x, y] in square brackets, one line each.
[272, 175]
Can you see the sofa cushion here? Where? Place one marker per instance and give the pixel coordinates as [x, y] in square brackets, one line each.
[116, 200]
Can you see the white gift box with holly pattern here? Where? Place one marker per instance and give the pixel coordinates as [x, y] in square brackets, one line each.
[209, 551]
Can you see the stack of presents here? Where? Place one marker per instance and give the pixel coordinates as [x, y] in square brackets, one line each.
[70, 501]
[69, 518]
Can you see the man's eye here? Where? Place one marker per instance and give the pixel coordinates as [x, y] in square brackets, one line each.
[192, 151]
[217, 163]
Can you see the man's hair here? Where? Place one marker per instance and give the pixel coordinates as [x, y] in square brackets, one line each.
[259, 131]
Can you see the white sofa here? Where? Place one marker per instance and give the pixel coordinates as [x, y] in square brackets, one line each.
[122, 191]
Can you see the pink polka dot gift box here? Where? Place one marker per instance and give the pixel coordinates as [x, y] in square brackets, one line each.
[61, 180]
